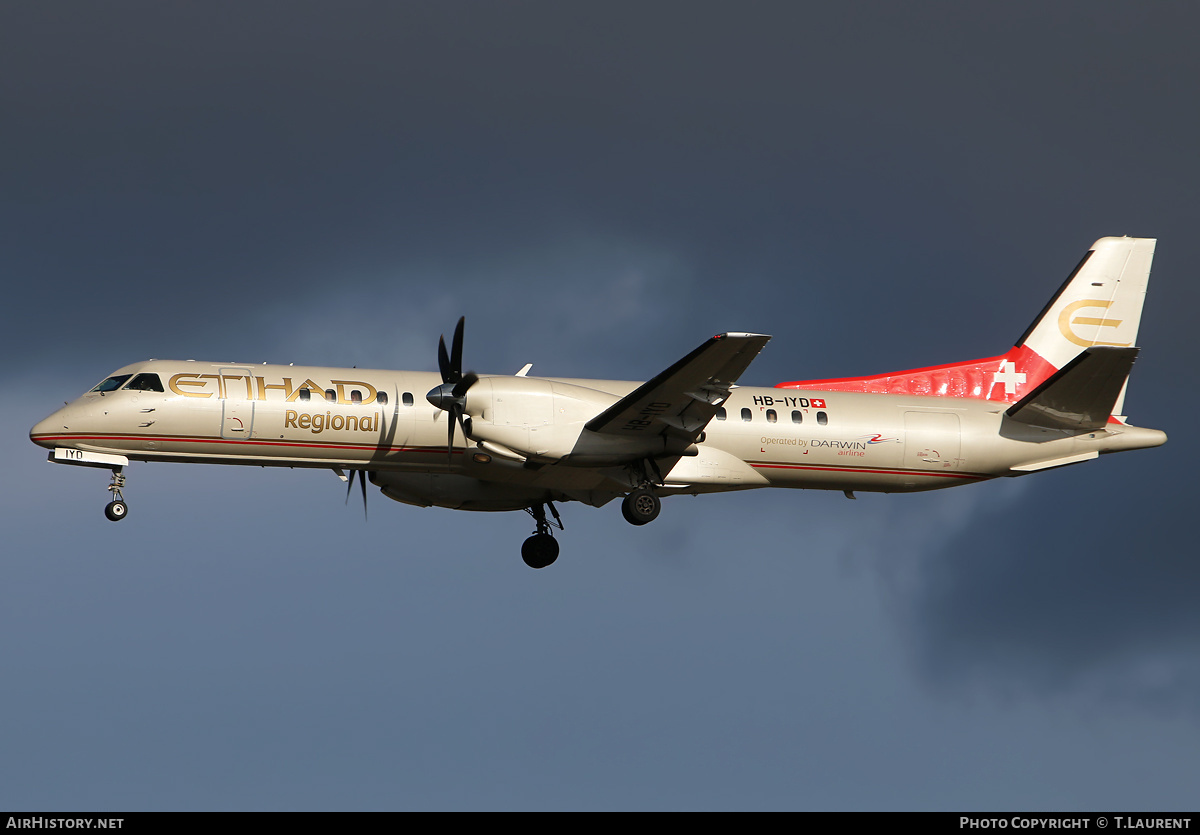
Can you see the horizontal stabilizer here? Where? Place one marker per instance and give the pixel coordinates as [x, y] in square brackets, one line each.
[1056, 462]
[1082, 394]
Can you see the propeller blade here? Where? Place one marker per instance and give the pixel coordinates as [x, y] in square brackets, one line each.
[450, 435]
[461, 424]
[460, 388]
[444, 362]
[362, 482]
[456, 349]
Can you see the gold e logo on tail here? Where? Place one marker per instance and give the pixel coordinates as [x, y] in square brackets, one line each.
[1065, 323]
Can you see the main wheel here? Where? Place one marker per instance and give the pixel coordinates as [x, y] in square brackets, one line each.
[640, 506]
[540, 550]
[116, 511]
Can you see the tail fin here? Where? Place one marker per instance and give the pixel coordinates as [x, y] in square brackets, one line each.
[1100, 303]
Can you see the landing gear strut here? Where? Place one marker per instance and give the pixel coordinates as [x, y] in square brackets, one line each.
[541, 549]
[116, 510]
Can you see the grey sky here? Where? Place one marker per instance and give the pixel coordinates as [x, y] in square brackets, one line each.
[598, 189]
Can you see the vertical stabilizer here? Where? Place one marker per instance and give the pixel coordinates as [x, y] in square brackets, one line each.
[1100, 304]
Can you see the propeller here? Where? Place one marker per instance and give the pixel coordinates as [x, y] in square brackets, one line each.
[362, 480]
[451, 395]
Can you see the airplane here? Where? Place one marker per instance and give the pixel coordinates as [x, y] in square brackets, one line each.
[468, 441]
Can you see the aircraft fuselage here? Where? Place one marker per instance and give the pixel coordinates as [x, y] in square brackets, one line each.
[380, 421]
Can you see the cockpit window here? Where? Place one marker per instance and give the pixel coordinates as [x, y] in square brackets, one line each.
[145, 382]
[113, 383]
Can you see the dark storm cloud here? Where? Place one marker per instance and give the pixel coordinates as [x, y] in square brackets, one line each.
[193, 155]
[1089, 592]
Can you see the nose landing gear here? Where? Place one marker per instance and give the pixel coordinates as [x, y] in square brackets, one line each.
[541, 549]
[116, 510]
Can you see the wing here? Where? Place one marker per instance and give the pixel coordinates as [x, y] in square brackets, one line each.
[681, 401]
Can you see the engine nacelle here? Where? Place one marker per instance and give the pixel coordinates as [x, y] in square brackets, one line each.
[544, 420]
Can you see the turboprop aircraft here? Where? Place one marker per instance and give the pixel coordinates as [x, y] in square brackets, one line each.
[514, 442]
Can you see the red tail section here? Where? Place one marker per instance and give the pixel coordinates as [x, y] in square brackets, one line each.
[1099, 304]
[1005, 379]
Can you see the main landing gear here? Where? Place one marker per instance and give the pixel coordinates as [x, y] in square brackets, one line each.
[541, 549]
[116, 510]
[641, 506]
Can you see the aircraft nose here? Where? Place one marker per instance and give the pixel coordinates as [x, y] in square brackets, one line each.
[44, 431]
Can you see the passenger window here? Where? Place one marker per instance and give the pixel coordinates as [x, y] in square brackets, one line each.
[305, 395]
[721, 413]
[145, 382]
[355, 396]
[772, 417]
[331, 395]
[797, 417]
[747, 415]
[822, 418]
[381, 398]
[112, 383]
[407, 398]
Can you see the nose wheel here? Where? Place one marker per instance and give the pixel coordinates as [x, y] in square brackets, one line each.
[116, 510]
[541, 549]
